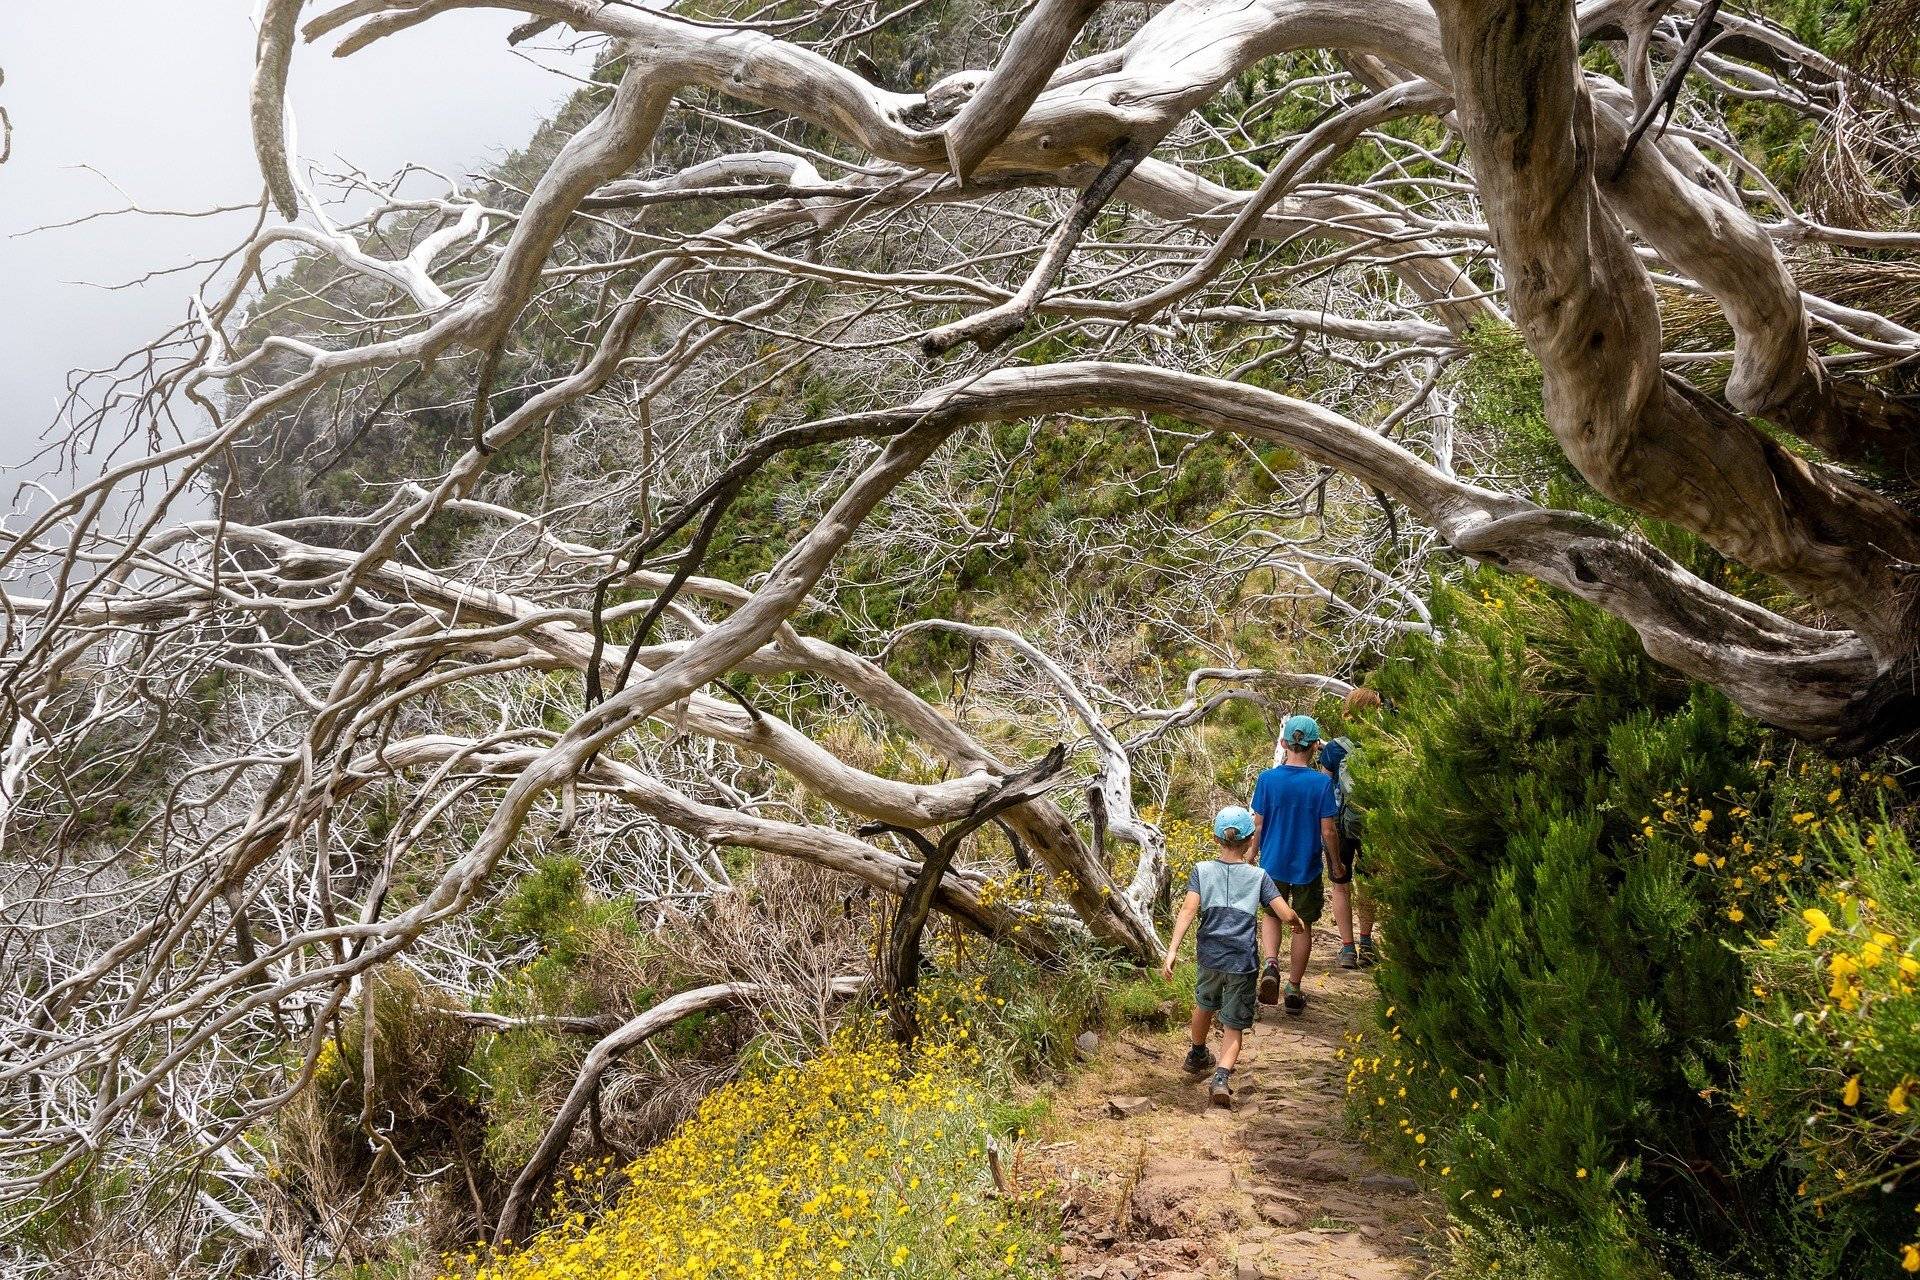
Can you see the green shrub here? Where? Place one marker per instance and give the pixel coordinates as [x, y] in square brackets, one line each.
[1830, 1055]
[1149, 1002]
[1564, 972]
[592, 959]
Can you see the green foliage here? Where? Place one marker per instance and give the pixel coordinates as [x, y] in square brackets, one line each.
[1029, 1018]
[1830, 1055]
[1032, 484]
[1826, 25]
[592, 959]
[1574, 850]
[1499, 390]
[1011, 1118]
[1147, 1001]
[1560, 989]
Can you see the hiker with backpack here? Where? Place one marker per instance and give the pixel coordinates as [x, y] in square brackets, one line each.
[1352, 904]
[1295, 807]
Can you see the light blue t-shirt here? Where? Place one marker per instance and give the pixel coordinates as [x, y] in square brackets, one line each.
[1291, 799]
[1231, 897]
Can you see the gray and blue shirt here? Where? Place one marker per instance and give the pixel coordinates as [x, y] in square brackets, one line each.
[1232, 895]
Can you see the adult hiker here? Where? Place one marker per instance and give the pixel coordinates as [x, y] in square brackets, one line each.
[1232, 900]
[1295, 806]
[1352, 903]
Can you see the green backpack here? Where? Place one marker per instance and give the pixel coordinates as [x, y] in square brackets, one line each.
[1339, 758]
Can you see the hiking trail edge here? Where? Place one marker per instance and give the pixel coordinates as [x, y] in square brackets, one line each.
[1275, 1187]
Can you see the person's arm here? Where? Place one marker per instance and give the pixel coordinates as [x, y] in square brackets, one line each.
[1330, 831]
[1278, 905]
[1330, 841]
[1188, 910]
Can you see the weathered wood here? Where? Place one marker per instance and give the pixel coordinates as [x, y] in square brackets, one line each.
[992, 327]
[273, 59]
[1585, 304]
[902, 968]
[1031, 57]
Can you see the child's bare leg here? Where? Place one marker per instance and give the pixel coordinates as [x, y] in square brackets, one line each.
[1269, 936]
[1302, 948]
[1342, 895]
[1200, 1025]
[1363, 909]
[1229, 1047]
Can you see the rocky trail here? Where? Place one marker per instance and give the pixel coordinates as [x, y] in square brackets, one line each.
[1162, 1185]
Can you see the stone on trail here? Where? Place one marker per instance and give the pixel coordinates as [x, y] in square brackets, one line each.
[1087, 1042]
[1293, 1170]
[1178, 1198]
[1277, 1212]
[1388, 1182]
[1248, 1271]
[1123, 1108]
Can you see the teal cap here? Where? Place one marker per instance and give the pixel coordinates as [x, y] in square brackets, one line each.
[1299, 731]
[1233, 824]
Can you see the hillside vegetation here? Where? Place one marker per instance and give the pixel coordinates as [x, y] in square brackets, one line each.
[718, 641]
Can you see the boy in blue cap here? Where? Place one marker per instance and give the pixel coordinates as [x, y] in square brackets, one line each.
[1295, 807]
[1226, 895]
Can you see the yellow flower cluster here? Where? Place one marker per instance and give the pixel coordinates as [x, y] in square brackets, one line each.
[1863, 963]
[1188, 845]
[852, 1164]
[1839, 988]
[1758, 863]
[1377, 1088]
[1023, 889]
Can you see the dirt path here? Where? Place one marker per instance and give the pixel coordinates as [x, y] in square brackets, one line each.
[1272, 1188]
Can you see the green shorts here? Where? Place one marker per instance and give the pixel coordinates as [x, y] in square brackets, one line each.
[1228, 994]
[1309, 901]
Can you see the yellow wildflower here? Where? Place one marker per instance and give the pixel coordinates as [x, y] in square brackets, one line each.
[1819, 925]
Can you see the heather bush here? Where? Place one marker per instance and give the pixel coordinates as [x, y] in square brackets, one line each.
[1578, 855]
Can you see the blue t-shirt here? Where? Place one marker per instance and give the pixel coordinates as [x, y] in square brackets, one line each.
[1231, 897]
[1291, 799]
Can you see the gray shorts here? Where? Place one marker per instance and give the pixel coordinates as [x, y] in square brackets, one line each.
[1228, 994]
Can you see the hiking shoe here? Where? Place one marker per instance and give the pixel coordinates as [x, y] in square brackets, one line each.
[1199, 1058]
[1369, 954]
[1296, 1000]
[1349, 957]
[1270, 983]
[1220, 1092]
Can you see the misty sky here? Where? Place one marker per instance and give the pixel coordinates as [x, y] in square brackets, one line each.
[153, 94]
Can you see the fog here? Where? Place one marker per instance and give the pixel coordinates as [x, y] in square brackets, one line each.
[145, 101]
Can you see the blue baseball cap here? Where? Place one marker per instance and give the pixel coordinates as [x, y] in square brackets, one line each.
[1298, 731]
[1233, 824]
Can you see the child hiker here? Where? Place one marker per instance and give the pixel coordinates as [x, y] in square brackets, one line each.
[1227, 894]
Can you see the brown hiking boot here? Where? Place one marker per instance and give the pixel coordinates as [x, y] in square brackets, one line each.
[1269, 991]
